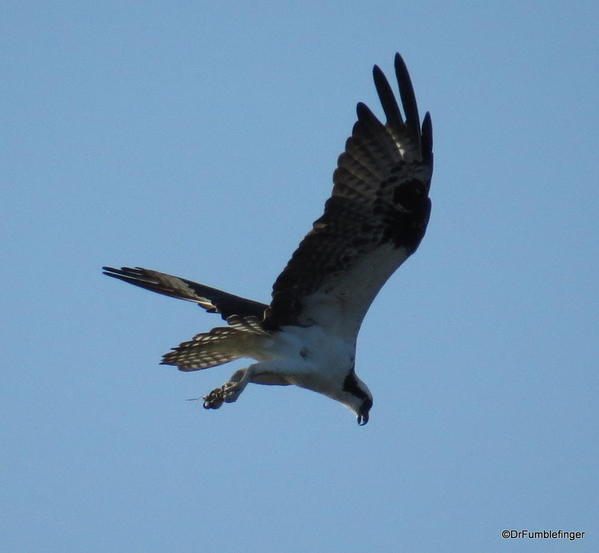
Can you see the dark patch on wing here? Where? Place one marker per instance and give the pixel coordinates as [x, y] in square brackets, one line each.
[211, 299]
[380, 195]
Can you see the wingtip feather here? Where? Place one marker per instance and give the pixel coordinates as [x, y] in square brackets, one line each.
[408, 98]
[387, 98]
[427, 135]
[366, 117]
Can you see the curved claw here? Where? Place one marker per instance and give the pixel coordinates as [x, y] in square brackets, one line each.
[214, 399]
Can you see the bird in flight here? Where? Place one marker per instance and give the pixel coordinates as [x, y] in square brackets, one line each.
[374, 220]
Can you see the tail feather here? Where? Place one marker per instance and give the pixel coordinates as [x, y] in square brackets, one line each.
[211, 299]
[209, 349]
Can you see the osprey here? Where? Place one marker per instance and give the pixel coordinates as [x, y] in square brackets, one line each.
[373, 221]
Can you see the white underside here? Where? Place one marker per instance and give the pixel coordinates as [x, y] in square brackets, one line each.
[307, 353]
[307, 357]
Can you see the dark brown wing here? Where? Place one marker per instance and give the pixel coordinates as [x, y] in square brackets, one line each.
[211, 299]
[375, 218]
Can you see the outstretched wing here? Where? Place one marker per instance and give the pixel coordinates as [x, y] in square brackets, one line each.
[375, 218]
[211, 299]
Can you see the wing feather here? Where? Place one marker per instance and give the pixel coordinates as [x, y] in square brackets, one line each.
[408, 98]
[375, 218]
[388, 101]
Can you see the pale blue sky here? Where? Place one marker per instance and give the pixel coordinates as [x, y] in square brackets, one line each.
[199, 139]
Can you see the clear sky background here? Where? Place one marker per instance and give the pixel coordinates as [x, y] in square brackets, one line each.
[199, 138]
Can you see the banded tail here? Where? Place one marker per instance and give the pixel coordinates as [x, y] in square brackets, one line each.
[244, 338]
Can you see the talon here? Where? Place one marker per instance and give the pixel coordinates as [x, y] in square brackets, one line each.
[228, 392]
[214, 399]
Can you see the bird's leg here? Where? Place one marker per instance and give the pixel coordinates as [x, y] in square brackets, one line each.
[229, 392]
